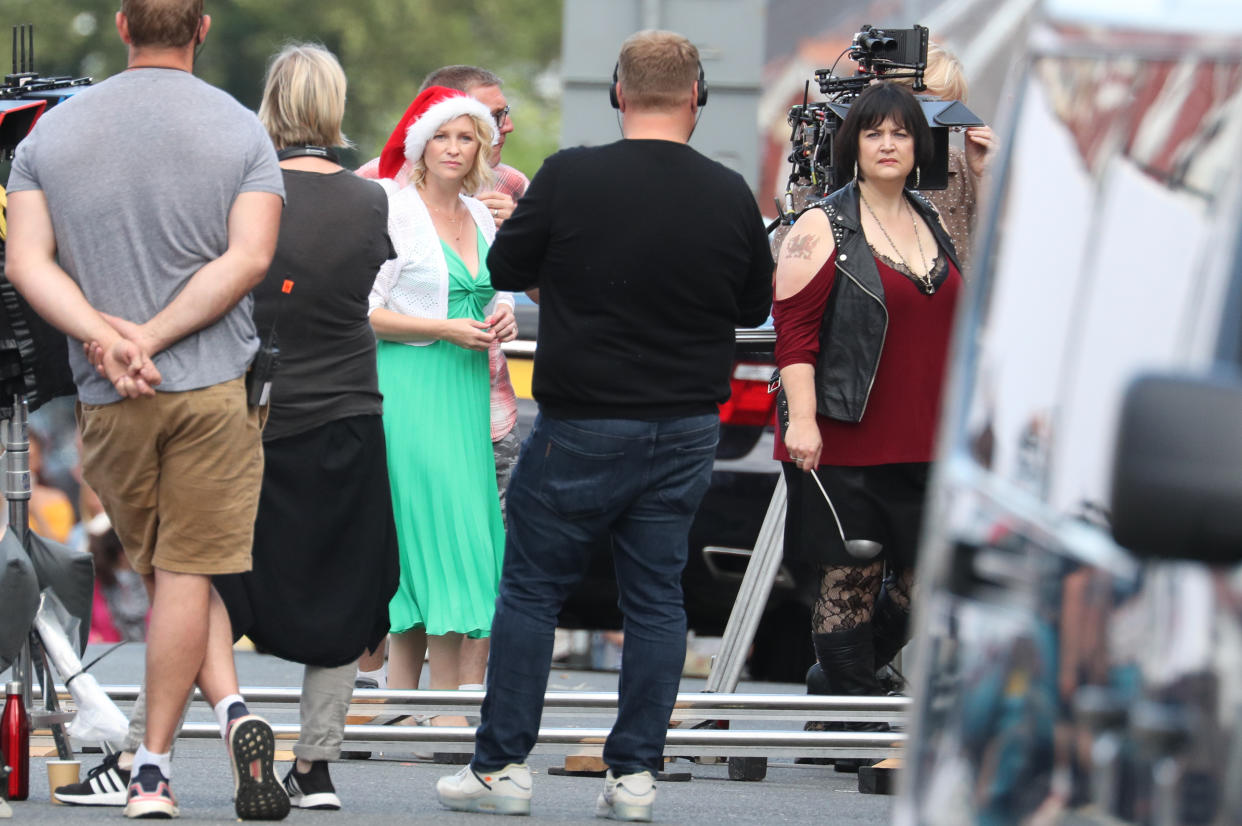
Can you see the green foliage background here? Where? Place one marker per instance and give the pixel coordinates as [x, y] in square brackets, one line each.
[385, 46]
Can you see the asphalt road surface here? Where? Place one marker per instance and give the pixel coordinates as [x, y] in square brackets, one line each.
[395, 787]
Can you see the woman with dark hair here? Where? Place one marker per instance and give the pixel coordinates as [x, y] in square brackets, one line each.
[866, 287]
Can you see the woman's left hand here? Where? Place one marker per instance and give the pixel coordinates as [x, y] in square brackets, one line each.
[979, 145]
[503, 323]
[500, 205]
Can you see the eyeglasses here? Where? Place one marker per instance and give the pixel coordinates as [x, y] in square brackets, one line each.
[499, 116]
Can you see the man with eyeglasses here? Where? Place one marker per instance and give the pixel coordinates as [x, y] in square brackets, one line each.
[510, 184]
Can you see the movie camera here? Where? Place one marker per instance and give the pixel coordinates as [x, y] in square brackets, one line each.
[34, 360]
[25, 95]
[881, 54]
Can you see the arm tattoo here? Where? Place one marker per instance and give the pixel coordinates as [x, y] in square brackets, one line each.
[800, 246]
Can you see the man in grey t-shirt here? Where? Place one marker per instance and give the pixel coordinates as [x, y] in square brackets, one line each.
[142, 212]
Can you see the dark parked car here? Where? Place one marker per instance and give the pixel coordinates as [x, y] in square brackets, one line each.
[724, 532]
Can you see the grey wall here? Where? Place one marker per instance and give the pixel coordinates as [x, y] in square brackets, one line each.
[730, 37]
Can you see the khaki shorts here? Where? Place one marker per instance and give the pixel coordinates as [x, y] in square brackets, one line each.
[179, 475]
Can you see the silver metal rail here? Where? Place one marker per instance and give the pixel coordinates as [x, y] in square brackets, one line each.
[583, 741]
[689, 705]
[525, 348]
[765, 335]
[681, 742]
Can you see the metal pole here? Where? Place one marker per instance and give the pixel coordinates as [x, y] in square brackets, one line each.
[679, 742]
[17, 492]
[752, 596]
[561, 701]
[32, 659]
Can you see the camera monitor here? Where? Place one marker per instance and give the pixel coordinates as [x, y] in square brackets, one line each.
[17, 117]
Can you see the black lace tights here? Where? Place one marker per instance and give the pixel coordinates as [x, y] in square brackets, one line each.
[847, 595]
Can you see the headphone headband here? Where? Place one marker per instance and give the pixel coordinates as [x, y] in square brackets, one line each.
[701, 101]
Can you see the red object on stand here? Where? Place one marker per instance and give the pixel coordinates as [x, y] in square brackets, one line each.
[15, 742]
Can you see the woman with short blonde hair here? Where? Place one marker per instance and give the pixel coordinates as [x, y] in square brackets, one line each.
[304, 97]
[958, 201]
[325, 546]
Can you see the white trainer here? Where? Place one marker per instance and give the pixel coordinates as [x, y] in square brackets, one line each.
[628, 797]
[506, 792]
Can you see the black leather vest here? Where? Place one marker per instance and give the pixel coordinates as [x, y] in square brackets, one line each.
[851, 335]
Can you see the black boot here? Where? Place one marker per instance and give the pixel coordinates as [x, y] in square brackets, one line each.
[817, 684]
[847, 662]
[890, 631]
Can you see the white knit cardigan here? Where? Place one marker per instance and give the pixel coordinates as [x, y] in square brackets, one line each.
[415, 283]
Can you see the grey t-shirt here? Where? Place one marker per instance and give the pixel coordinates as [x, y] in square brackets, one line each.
[140, 173]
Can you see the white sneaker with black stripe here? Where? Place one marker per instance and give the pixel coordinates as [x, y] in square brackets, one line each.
[105, 785]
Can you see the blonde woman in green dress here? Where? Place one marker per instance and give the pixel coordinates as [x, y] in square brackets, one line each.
[435, 314]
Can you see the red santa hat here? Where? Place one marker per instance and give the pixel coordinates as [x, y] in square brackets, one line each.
[434, 107]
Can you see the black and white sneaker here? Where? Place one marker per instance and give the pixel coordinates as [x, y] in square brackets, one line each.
[313, 790]
[104, 785]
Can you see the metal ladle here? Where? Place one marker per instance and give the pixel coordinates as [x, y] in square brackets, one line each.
[857, 548]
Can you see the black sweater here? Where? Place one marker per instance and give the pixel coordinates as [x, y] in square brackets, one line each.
[647, 255]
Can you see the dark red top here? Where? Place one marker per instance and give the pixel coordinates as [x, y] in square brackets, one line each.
[899, 424]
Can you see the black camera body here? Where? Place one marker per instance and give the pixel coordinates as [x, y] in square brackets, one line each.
[881, 54]
[877, 52]
[34, 355]
[25, 95]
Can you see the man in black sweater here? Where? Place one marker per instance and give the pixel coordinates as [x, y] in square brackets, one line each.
[646, 256]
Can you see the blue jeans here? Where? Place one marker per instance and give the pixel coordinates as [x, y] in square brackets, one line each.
[576, 482]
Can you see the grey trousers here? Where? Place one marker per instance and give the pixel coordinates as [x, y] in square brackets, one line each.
[506, 450]
[325, 703]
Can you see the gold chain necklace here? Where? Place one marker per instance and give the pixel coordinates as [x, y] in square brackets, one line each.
[924, 281]
[456, 222]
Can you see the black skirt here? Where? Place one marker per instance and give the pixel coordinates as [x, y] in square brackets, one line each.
[325, 547]
[882, 503]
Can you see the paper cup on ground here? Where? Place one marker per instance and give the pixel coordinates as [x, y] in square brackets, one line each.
[62, 773]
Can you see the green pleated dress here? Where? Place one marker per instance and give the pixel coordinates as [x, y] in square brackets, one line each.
[437, 422]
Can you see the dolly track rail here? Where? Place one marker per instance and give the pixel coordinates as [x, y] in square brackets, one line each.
[684, 741]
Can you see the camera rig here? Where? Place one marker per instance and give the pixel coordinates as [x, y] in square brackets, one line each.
[881, 54]
[34, 359]
[25, 95]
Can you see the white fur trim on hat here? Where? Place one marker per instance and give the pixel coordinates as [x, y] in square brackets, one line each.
[438, 114]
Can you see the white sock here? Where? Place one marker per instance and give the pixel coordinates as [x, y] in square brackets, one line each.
[163, 762]
[221, 710]
[470, 687]
[380, 675]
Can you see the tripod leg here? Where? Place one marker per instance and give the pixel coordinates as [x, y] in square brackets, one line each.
[64, 749]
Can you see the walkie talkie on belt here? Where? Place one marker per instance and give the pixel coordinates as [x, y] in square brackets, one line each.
[259, 377]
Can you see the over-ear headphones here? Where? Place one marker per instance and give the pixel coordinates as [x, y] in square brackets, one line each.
[616, 104]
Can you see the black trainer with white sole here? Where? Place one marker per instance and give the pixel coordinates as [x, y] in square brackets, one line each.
[105, 785]
[257, 794]
[313, 790]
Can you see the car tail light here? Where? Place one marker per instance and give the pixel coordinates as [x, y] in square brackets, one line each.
[750, 403]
